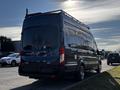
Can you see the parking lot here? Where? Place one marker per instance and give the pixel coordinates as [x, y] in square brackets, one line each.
[10, 80]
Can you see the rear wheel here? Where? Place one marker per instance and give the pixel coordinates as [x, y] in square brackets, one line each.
[108, 63]
[98, 70]
[13, 63]
[80, 74]
[2, 65]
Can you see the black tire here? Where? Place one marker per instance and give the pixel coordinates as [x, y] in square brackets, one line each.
[98, 70]
[2, 65]
[13, 63]
[108, 63]
[80, 74]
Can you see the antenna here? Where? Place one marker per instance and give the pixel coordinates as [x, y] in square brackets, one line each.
[26, 11]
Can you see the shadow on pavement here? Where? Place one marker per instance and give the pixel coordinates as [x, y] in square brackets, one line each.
[7, 66]
[46, 85]
[50, 84]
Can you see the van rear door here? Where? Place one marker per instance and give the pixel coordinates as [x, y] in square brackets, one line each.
[41, 44]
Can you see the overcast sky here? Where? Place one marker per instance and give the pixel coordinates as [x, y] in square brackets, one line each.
[103, 17]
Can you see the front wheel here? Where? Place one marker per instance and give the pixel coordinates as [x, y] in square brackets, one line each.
[13, 63]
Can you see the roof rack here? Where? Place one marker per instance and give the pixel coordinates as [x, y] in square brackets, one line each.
[55, 11]
[58, 11]
[75, 19]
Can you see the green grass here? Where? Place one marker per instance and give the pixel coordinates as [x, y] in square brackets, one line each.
[109, 80]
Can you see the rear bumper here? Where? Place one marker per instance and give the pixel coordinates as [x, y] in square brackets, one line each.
[37, 70]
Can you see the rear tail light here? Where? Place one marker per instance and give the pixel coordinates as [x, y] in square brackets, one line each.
[61, 52]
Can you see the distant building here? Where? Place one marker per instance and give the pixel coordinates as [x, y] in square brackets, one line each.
[17, 45]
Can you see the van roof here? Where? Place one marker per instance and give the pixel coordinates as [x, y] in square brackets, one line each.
[56, 12]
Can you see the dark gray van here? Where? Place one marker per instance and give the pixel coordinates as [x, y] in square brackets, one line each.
[113, 58]
[55, 43]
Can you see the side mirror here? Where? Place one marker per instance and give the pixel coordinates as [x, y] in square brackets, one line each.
[98, 53]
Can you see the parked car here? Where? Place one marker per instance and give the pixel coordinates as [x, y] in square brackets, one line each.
[113, 58]
[11, 59]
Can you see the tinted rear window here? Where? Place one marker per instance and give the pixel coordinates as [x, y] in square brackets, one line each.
[36, 38]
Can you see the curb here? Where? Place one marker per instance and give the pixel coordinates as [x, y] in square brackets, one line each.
[73, 85]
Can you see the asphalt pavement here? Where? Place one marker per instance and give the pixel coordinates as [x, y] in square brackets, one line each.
[106, 67]
[10, 80]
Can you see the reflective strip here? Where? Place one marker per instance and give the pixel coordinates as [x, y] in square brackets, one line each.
[61, 58]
